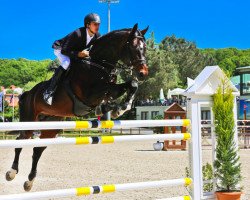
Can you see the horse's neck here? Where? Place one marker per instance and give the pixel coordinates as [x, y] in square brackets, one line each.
[105, 65]
[108, 49]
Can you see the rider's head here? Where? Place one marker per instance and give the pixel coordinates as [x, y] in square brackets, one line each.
[92, 22]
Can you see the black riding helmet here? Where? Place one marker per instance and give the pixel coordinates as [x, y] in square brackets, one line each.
[92, 17]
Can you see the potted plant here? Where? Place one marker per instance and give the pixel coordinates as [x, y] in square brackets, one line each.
[227, 167]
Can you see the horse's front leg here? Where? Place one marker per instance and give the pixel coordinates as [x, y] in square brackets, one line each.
[115, 92]
[132, 89]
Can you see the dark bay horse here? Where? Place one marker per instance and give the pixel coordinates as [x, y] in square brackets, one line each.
[89, 83]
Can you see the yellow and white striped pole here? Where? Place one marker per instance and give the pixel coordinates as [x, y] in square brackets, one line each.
[177, 198]
[90, 140]
[16, 126]
[97, 189]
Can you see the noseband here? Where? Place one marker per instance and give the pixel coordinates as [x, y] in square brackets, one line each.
[135, 62]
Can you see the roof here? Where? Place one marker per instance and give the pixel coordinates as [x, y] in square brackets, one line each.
[243, 69]
[207, 82]
[175, 108]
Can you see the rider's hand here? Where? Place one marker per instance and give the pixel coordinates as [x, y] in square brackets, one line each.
[83, 54]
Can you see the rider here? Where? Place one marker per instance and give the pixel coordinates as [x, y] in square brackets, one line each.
[72, 46]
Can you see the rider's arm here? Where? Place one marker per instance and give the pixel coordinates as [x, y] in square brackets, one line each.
[70, 43]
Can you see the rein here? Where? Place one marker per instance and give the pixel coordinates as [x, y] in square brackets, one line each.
[114, 69]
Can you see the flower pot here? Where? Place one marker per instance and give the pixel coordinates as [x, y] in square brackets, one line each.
[228, 195]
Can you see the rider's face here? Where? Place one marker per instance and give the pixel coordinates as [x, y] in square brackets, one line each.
[94, 27]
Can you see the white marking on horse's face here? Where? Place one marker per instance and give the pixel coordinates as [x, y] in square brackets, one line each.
[141, 44]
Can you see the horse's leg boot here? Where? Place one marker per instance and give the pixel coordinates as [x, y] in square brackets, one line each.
[49, 92]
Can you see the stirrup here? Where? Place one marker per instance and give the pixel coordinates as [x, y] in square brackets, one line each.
[48, 97]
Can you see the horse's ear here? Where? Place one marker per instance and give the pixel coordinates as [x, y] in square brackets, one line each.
[132, 33]
[144, 31]
[134, 28]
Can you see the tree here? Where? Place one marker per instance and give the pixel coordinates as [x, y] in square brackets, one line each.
[188, 59]
[163, 73]
[227, 166]
[19, 72]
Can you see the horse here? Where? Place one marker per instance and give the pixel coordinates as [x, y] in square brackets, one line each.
[89, 85]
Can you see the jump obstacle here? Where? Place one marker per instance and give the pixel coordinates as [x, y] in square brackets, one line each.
[93, 140]
[198, 98]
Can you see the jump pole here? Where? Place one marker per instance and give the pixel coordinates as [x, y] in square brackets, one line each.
[90, 140]
[97, 189]
[58, 125]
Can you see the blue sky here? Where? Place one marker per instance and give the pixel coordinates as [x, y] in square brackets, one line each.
[28, 28]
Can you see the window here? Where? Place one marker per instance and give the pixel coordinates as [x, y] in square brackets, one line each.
[144, 115]
[205, 115]
[154, 113]
[245, 84]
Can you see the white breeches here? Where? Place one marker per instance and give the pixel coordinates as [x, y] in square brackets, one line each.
[64, 60]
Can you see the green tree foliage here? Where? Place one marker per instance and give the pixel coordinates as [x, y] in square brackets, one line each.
[163, 72]
[229, 58]
[21, 71]
[188, 59]
[8, 112]
[227, 166]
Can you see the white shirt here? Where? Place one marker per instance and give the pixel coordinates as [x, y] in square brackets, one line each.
[88, 37]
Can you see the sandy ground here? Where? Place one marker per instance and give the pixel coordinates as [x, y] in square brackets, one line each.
[63, 167]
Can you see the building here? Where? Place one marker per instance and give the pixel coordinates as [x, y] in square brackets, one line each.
[149, 112]
[242, 83]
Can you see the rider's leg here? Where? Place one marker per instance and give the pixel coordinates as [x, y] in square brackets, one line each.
[64, 61]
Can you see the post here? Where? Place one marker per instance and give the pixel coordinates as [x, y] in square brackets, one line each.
[13, 101]
[108, 16]
[3, 106]
[193, 111]
[109, 2]
[235, 122]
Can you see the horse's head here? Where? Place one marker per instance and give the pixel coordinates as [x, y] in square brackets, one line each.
[127, 45]
[133, 53]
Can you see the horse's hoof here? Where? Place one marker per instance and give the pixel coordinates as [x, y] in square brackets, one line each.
[10, 175]
[27, 185]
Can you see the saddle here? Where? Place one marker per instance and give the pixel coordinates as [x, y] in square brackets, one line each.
[79, 108]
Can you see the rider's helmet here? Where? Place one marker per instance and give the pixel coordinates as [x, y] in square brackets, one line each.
[91, 17]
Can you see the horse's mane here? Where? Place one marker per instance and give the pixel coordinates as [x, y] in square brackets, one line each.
[114, 34]
[109, 46]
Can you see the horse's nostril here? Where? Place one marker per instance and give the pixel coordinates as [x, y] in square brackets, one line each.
[141, 74]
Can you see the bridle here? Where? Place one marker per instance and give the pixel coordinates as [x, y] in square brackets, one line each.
[135, 62]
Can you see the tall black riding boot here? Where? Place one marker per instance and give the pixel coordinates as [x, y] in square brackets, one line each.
[49, 92]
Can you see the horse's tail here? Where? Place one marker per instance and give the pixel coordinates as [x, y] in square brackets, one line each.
[22, 103]
[22, 99]
[26, 103]
[22, 96]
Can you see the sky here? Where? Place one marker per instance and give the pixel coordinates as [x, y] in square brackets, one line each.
[28, 28]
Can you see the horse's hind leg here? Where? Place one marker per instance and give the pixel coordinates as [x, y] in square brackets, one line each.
[10, 175]
[37, 152]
